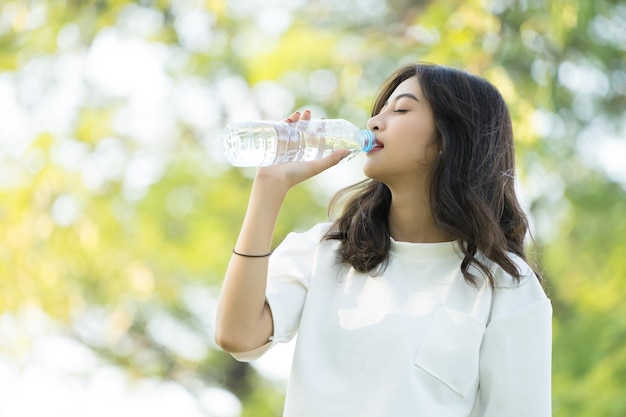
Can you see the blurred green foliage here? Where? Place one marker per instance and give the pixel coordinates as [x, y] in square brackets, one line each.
[83, 231]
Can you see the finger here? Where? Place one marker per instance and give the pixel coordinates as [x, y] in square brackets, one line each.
[331, 160]
[295, 116]
[306, 115]
[338, 155]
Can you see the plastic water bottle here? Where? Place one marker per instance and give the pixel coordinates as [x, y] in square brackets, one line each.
[263, 143]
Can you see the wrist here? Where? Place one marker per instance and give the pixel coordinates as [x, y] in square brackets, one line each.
[270, 185]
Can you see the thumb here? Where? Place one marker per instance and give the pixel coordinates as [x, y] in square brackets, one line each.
[334, 158]
[308, 169]
[338, 155]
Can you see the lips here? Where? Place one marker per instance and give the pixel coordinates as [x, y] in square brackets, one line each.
[377, 145]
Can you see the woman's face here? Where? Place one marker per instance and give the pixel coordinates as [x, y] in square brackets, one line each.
[406, 146]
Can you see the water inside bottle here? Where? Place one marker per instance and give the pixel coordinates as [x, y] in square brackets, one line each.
[321, 139]
[277, 143]
[250, 144]
[268, 143]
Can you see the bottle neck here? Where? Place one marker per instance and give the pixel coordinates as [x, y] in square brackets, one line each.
[368, 139]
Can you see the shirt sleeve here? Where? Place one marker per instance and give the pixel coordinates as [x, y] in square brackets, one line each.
[289, 275]
[515, 357]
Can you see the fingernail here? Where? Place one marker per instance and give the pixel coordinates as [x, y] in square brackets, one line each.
[307, 111]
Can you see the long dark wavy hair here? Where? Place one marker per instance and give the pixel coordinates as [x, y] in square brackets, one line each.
[472, 186]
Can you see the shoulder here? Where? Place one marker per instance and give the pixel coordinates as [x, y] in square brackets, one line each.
[313, 234]
[511, 296]
[504, 280]
[299, 253]
[306, 239]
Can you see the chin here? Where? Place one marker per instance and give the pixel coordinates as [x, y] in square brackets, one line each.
[368, 171]
[372, 173]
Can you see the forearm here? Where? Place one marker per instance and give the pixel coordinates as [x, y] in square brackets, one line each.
[244, 321]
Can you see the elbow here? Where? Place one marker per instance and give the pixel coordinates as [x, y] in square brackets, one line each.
[232, 341]
[227, 342]
[226, 334]
[235, 334]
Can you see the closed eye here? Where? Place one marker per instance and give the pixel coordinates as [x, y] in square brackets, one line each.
[400, 111]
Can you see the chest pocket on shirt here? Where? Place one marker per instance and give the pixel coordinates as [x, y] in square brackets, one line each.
[451, 348]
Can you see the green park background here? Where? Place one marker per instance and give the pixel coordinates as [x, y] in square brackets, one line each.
[118, 212]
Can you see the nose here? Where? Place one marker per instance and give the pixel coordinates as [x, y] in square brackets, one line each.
[375, 123]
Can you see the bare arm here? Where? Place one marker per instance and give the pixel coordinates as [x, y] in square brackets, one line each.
[244, 320]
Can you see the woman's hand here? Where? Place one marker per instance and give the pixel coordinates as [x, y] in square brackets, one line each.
[292, 173]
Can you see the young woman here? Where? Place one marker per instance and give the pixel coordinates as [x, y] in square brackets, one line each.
[417, 300]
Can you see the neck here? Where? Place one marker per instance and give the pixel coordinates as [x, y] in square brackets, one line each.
[411, 219]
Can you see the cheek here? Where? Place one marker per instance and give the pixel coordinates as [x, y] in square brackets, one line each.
[430, 138]
[433, 146]
[431, 153]
[424, 147]
[422, 157]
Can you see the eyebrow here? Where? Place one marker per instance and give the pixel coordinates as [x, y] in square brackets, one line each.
[399, 96]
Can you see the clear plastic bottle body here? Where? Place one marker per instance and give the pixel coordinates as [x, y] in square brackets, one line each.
[263, 143]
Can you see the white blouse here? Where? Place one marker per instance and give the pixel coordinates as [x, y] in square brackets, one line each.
[416, 341]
